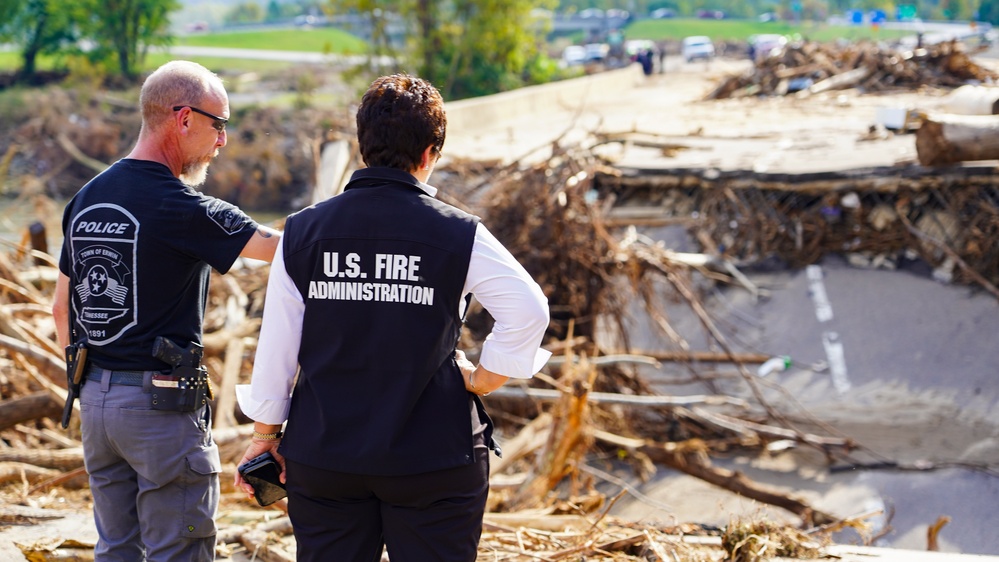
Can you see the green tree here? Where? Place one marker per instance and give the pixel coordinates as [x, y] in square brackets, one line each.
[37, 27]
[273, 11]
[378, 14]
[123, 30]
[957, 9]
[989, 11]
[464, 47]
[476, 47]
[245, 12]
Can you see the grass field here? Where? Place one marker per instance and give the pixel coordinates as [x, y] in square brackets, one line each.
[316, 40]
[740, 30]
[10, 61]
[330, 40]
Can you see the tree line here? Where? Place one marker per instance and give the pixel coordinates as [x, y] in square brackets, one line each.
[114, 34]
[982, 10]
[465, 47]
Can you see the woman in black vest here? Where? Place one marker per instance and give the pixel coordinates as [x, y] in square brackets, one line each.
[385, 440]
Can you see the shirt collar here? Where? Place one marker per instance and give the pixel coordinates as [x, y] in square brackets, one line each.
[393, 175]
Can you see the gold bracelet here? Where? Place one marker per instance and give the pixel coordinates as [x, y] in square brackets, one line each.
[268, 436]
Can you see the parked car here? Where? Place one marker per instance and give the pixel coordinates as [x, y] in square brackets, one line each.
[663, 13]
[697, 47]
[573, 55]
[711, 14]
[623, 15]
[596, 52]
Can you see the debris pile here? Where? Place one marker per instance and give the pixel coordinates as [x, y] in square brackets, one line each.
[811, 68]
[587, 401]
[270, 163]
[589, 412]
[946, 218]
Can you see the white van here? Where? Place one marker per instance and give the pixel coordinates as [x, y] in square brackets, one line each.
[697, 47]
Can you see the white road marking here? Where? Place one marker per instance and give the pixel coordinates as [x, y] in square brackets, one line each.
[837, 361]
[823, 308]
[835, 355]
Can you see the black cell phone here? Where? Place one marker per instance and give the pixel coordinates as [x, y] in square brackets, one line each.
[264, 474]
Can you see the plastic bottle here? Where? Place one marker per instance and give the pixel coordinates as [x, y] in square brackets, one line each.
[774, 364]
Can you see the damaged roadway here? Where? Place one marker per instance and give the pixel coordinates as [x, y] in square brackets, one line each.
[880, 349]
[901, 362]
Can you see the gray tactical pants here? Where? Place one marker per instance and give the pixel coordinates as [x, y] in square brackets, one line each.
[154, 475]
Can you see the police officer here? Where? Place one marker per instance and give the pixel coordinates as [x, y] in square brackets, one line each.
[387, 442]
[140, 243]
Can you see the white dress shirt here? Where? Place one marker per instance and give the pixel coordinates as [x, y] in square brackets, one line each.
[500, 284]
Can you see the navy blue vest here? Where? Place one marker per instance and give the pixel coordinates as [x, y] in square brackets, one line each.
[381, 268]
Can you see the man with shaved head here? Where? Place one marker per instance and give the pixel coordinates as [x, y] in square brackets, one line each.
[140, 244]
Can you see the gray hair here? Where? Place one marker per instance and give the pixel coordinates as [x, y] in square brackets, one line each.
[178, 82]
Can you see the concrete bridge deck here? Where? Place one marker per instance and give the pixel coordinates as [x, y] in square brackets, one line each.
[823, 132]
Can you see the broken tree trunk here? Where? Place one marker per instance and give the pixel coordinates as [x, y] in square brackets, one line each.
[568, 439]
[61, 459]
[947, 139]
[542, 394]
[27, 408]
[691, 457]
[696, 463]
[51, 366]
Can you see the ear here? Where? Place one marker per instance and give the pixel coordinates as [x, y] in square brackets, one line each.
[427, 158]
[182, 118]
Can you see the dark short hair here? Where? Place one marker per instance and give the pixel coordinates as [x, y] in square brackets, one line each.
[400, 116]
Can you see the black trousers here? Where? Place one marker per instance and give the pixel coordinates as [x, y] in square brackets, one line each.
[436, 516]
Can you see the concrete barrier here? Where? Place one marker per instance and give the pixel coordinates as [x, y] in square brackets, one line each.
[482, 113]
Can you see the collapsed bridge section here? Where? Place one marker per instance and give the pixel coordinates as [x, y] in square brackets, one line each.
[947, 217]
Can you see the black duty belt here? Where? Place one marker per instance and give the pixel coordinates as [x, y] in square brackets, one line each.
[127, 378]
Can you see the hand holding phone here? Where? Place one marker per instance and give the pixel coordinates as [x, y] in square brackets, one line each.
[263, 473]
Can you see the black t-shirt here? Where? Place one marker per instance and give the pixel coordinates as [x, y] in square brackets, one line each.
[139, 247]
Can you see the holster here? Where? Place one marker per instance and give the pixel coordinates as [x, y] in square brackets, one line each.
[184, 389]
[76, 365]
[187, 386]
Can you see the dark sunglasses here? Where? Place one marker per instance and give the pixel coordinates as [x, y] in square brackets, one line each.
[217, 122]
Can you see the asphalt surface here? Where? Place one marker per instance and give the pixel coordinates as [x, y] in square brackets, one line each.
[902, 363]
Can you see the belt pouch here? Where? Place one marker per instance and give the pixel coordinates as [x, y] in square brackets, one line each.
[184, 389]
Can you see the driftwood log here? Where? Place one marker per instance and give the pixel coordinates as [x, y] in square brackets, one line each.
[948, 139]
[26, 408]
[691, 457]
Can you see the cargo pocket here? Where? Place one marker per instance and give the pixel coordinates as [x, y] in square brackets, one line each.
[201, 492]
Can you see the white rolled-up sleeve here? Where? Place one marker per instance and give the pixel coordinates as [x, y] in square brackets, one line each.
[268, 396]
[517, 304]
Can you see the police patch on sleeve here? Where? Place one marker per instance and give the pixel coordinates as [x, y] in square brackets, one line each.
[227, 216]
[103, 241]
